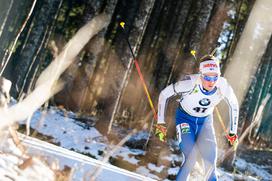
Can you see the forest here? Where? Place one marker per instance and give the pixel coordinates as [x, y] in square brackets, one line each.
[76, 58]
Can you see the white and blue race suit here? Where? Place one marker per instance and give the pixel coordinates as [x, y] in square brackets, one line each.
[194, 120]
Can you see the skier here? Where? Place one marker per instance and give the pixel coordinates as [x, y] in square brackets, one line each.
[200, 93]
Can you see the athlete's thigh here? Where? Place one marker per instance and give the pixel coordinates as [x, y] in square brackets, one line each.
[186, 136]
[206, 141]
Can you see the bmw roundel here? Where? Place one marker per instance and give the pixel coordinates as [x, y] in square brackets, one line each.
[205, 102]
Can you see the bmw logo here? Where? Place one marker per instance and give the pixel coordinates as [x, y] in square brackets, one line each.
[204, 102]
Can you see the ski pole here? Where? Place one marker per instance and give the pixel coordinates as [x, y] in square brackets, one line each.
[122, 24]
[221, 120]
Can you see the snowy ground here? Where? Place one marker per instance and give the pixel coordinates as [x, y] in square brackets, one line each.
[16, 166]
[78, 166]
[71, 134]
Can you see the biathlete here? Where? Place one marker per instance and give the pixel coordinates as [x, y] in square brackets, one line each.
[200, 93]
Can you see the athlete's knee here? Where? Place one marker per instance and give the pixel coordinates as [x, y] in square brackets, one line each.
[210, 153]
[186, 149]
[213, 156]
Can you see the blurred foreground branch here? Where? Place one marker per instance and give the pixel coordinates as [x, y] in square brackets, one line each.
[48, 83]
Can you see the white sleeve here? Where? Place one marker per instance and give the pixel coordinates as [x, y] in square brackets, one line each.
[171, 90]
[232, 102]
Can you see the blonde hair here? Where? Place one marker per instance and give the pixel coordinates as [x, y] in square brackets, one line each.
[206, 58]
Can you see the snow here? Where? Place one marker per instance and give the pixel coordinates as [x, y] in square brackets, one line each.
[128, 155]
[242, 164]
[155, 167]
[11, 160]
[225, 176]
[68, 133]
[140, 135]
[173, 158]
[144, 171]
[71, 134]
[10, 171]
[173, 171]
[83, 166]
[255, 169]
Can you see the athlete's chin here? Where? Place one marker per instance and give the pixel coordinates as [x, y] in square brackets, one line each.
[209, 88]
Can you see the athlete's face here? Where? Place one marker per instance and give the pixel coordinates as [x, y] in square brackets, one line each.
[209, 80]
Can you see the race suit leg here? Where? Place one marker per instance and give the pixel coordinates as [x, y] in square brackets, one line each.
[206, 143]
[186, 137]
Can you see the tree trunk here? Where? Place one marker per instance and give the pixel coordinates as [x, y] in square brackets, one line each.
[261, 86]
[11, 24]
[254, 38]
[43, 17]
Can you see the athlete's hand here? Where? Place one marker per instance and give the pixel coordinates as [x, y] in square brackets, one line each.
[232, 139]
[161, 131]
